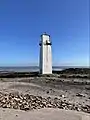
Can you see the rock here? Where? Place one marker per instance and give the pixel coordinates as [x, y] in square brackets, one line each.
[78, 109]
[80, 95]
[47, 92]
[87, 88]
[26, 107]
[4, 105]
[60, 107]
[62, 96]
[63, 104]
[16, 99]
[8, 106]
[15, 106]
[3, 101]
[22, 107]
[49, 105]
[30, 102]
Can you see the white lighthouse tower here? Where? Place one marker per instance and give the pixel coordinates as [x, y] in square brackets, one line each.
[45, 55]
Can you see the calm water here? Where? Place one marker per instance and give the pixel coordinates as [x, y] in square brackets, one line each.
[25, 69]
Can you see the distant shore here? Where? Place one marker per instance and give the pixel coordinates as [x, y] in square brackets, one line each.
[66, 73]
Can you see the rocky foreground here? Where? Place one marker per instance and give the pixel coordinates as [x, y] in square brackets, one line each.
[31, 102]
[69, 90]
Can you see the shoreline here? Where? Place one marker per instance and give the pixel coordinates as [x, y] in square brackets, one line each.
[66, 73]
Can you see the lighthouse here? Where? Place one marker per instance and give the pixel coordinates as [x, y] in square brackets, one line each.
[45, 60]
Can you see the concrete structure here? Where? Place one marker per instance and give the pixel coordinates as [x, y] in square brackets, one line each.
[45, 55]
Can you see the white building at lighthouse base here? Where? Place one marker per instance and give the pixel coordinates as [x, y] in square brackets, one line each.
[45, 62]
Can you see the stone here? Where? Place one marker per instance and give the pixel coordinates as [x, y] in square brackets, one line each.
[30, 102]
[26, 107]
[49, 105]
[80, 95]
[8, 106]
[62, 96]
[47, 92]
[22, 107]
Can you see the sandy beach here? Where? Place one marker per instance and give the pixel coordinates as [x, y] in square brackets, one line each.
[42, 114]
[74, 93]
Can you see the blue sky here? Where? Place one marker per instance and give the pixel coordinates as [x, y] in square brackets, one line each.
[23, 21]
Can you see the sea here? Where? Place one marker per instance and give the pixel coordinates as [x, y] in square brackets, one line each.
[25, 69]
[34, 68]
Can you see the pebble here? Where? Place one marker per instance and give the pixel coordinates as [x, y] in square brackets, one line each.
[16, 115]
[29, 102]
[80, 95]
[62, 96]
[47, 92]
